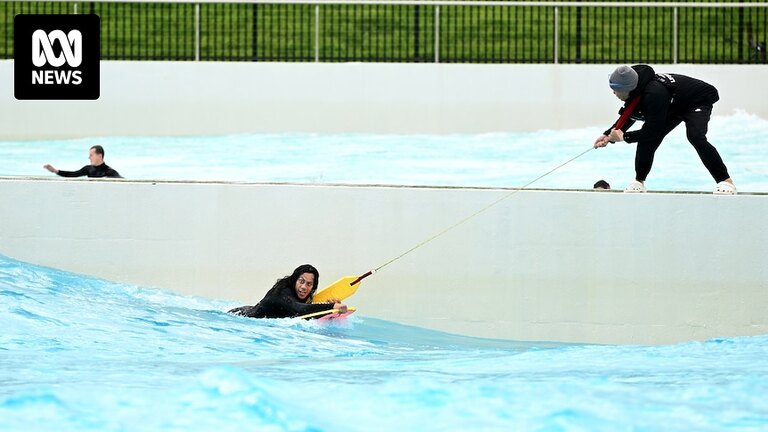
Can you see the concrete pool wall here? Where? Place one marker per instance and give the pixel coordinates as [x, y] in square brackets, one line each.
[578, 266]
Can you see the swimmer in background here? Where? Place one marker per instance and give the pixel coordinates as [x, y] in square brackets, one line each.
[97, 168]
[601, 185]
[291, 297]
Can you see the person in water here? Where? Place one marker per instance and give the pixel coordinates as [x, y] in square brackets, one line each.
[601, 185]
[97, 168]
[290, 297]
[662, 102]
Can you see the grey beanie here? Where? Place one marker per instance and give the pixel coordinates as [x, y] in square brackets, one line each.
[623, 79]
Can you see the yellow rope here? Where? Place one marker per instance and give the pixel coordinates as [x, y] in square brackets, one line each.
[482, 209]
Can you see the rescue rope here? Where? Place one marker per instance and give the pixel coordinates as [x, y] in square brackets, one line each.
[471, 216]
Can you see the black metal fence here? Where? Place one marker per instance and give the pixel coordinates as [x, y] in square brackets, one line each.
[446, 32]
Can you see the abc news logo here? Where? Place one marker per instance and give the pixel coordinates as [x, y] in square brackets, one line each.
[71, 53]
[56, 57]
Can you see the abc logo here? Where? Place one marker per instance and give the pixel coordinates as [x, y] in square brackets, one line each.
[71, 53]
[56, 57]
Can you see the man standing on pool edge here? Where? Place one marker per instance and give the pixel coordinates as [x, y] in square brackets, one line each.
[97, 168]
[665, 101]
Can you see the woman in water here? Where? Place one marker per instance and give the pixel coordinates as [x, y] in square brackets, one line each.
[290, 297]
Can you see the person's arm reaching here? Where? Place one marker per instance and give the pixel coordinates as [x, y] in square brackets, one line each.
[297, 308]
[79, 173]
[623, 123]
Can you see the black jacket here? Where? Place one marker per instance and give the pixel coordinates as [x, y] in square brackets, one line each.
[281, 301]
[663, 96]
[102, 170]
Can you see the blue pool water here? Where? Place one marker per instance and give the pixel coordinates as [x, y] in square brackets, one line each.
[84, 354]
[490, 160]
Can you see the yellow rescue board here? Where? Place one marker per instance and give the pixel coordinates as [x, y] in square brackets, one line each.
[338, 290]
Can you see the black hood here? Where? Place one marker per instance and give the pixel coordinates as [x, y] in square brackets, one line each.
[645, 74]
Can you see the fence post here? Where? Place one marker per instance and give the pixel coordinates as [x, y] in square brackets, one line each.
[437, 34]
[416, 32]
[317, 33]
[197, 31]
[556, 39]
[578, 35]
[674, 36]
[741, 37]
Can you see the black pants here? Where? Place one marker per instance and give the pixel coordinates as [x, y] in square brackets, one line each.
[696, 123]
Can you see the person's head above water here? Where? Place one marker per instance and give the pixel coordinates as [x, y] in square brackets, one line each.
[96, 155]
[304, 280]
[601, 184]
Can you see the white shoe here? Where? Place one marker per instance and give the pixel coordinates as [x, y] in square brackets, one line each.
[725, 188]
[635, 187]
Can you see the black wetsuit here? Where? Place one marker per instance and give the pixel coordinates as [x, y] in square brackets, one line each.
[281, 302]
[102, 170]
[666, 101]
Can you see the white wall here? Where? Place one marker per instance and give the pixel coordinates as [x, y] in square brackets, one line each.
[189, 98]
[543, 265]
